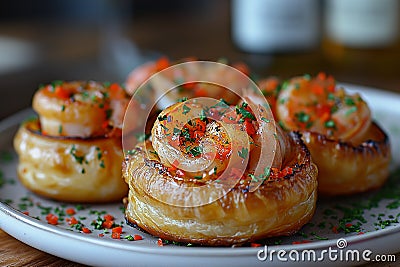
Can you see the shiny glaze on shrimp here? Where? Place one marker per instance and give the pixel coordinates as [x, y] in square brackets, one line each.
[80, 109]
[318, 105]
[201, 148]
[198, 147]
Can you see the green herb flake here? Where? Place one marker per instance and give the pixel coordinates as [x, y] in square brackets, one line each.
[129, 238]
[265, 120]
[177, 131]
[349, 101]
[330, 124]
[141, 137]
[186, 110]
[240, 110]
[243, 153]
[183, 99]
[196, 151]
[351, 110]
[203, 115]
[77, 158]
[109, 113]
[302, 117]
[319, 237]
[102, 165]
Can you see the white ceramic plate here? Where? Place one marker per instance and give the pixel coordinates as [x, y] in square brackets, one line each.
[378, 224]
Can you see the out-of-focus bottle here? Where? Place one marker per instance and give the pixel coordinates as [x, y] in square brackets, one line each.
[361, 32]
[275, 26]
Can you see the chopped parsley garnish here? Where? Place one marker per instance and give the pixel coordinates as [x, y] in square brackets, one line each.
[183, 99]
[186, 110]
[108, 113]
[243, 153]
[351, 110]
[77, 158]
[240, 110]
[196, 151]
[330, 124]
[222, 103]
[349, 101]
[142, 137]
[265, 120]
[177, 131]
[302, 116]
[203, 115]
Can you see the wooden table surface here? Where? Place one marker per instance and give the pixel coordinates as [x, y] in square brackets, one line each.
[16, 253]
[176, 37]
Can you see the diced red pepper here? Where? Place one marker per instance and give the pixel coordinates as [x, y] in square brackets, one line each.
[137, 237]
[62, 93]
[249, 127]
[117, 229]
[116, 91]
[317, 89]
[72, 221]
[321, 76]
[52, 219]
[162, 63]
[107, 224]
[86, 230]
[70, 211]
[198, 134]
[108, 217]
[301, 242]
[116, 235]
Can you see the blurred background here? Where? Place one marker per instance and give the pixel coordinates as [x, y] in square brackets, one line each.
[44, 40]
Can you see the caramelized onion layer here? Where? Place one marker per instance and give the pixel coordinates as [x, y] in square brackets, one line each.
[70, 169]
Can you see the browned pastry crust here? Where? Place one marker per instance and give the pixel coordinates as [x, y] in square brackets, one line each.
[69, 168]
[346, 169]
[278, 207]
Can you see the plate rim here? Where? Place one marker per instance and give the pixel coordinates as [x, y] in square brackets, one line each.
[6, 210]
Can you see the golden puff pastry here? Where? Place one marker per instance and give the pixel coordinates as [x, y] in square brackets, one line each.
[69, 168]
[73, 151]
[351, 151]
[163, 197]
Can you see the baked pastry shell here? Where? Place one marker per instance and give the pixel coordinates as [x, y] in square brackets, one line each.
[278, 207]
[347, 169]
[47, 165]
